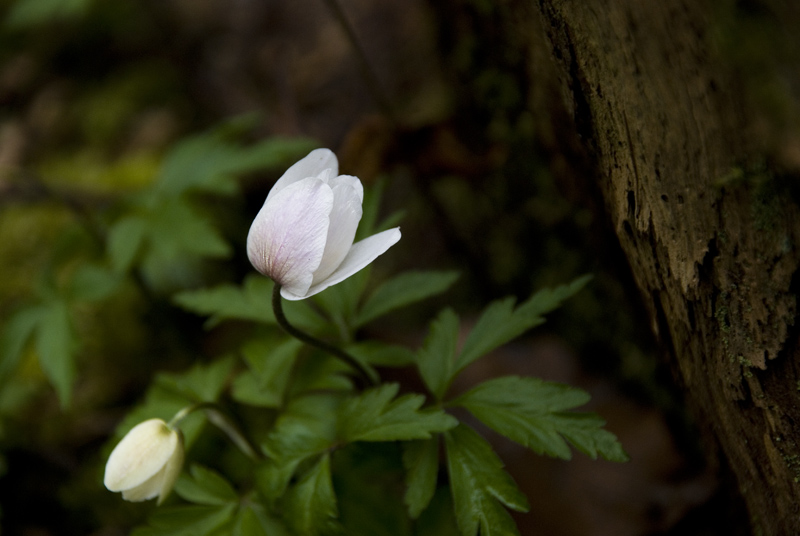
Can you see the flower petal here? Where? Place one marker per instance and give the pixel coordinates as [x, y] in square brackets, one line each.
[140, 455]
[146, 490]
[287, 238]
[347, 197]
[360, 255]
[172, 471]
[312, 165]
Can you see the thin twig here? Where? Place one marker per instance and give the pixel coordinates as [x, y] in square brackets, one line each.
[373, 84]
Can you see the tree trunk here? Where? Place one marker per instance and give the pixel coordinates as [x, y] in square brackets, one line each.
[711, 240]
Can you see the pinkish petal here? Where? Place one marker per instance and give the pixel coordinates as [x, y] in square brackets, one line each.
[360, 255]
[312, 165]
[344, 218]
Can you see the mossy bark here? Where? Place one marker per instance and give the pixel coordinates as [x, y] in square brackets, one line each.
[712, 238]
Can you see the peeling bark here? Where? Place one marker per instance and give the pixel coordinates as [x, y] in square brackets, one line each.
[712, 244]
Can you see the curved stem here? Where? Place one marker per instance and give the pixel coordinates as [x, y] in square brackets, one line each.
[277, 307]
[221, 421]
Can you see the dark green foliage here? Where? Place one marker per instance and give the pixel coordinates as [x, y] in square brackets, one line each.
[374, 416]
[325, 454]
[534, 413]
[479, 485]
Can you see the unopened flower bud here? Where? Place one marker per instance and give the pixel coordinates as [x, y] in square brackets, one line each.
[146, 463]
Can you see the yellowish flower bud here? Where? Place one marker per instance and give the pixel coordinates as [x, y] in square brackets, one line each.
[146, 463]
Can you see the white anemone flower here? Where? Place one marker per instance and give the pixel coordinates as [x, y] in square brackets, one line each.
[302, 237]
[146, 463]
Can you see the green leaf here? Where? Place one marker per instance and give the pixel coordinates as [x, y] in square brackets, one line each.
[209, 162]
[435, 359]
[305, 429]
[585, 432]
[174, 227]
[205, 487]
[17, 331]
[92, 282]
[270, 366]
[421, 461]
[405, 289]
[28, 13]
[125, 240]
[310, 505]
[367, 478]
[500, 322]
[56, 344]
[374, 416]
[187, 520]
[480, 486]
[438, 519]
[533, 413]
[381, 354]
[250, 301]
[201, 383]
[370, 209]
[340, 301]
[252, 520]
[318, 371]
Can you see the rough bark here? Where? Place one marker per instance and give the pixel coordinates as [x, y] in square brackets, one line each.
[715, 259]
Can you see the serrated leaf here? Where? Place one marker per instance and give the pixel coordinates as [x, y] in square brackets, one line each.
[369, 209]
[205, 486]
[402, 290]
[341, 300]
[17, 331]
[250, 301]
[175, 227]
[201, 383]
[480, 486]
[438, 519]
[266, 380]
[125, 240]
[381, 354]
[367, 477]
[421, 461]
[533, 413]
[304, 430]
[187, 520]
[501, 322]
[375, 416]
[585, 432]
[55, 344]
[204, 162]
[321, 372]
[436, 358]
[92, 282]
[310, 505]
[252, 520]
[209, 162]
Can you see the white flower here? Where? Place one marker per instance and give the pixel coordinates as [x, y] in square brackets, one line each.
[302, 237]
[146, 463]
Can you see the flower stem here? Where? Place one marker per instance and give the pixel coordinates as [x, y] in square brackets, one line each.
[277, 306]
[221, 421]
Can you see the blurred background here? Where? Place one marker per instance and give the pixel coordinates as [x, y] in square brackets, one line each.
[452, 102]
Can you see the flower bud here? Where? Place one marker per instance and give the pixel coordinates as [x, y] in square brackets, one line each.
[146, 463]
[303, 235]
